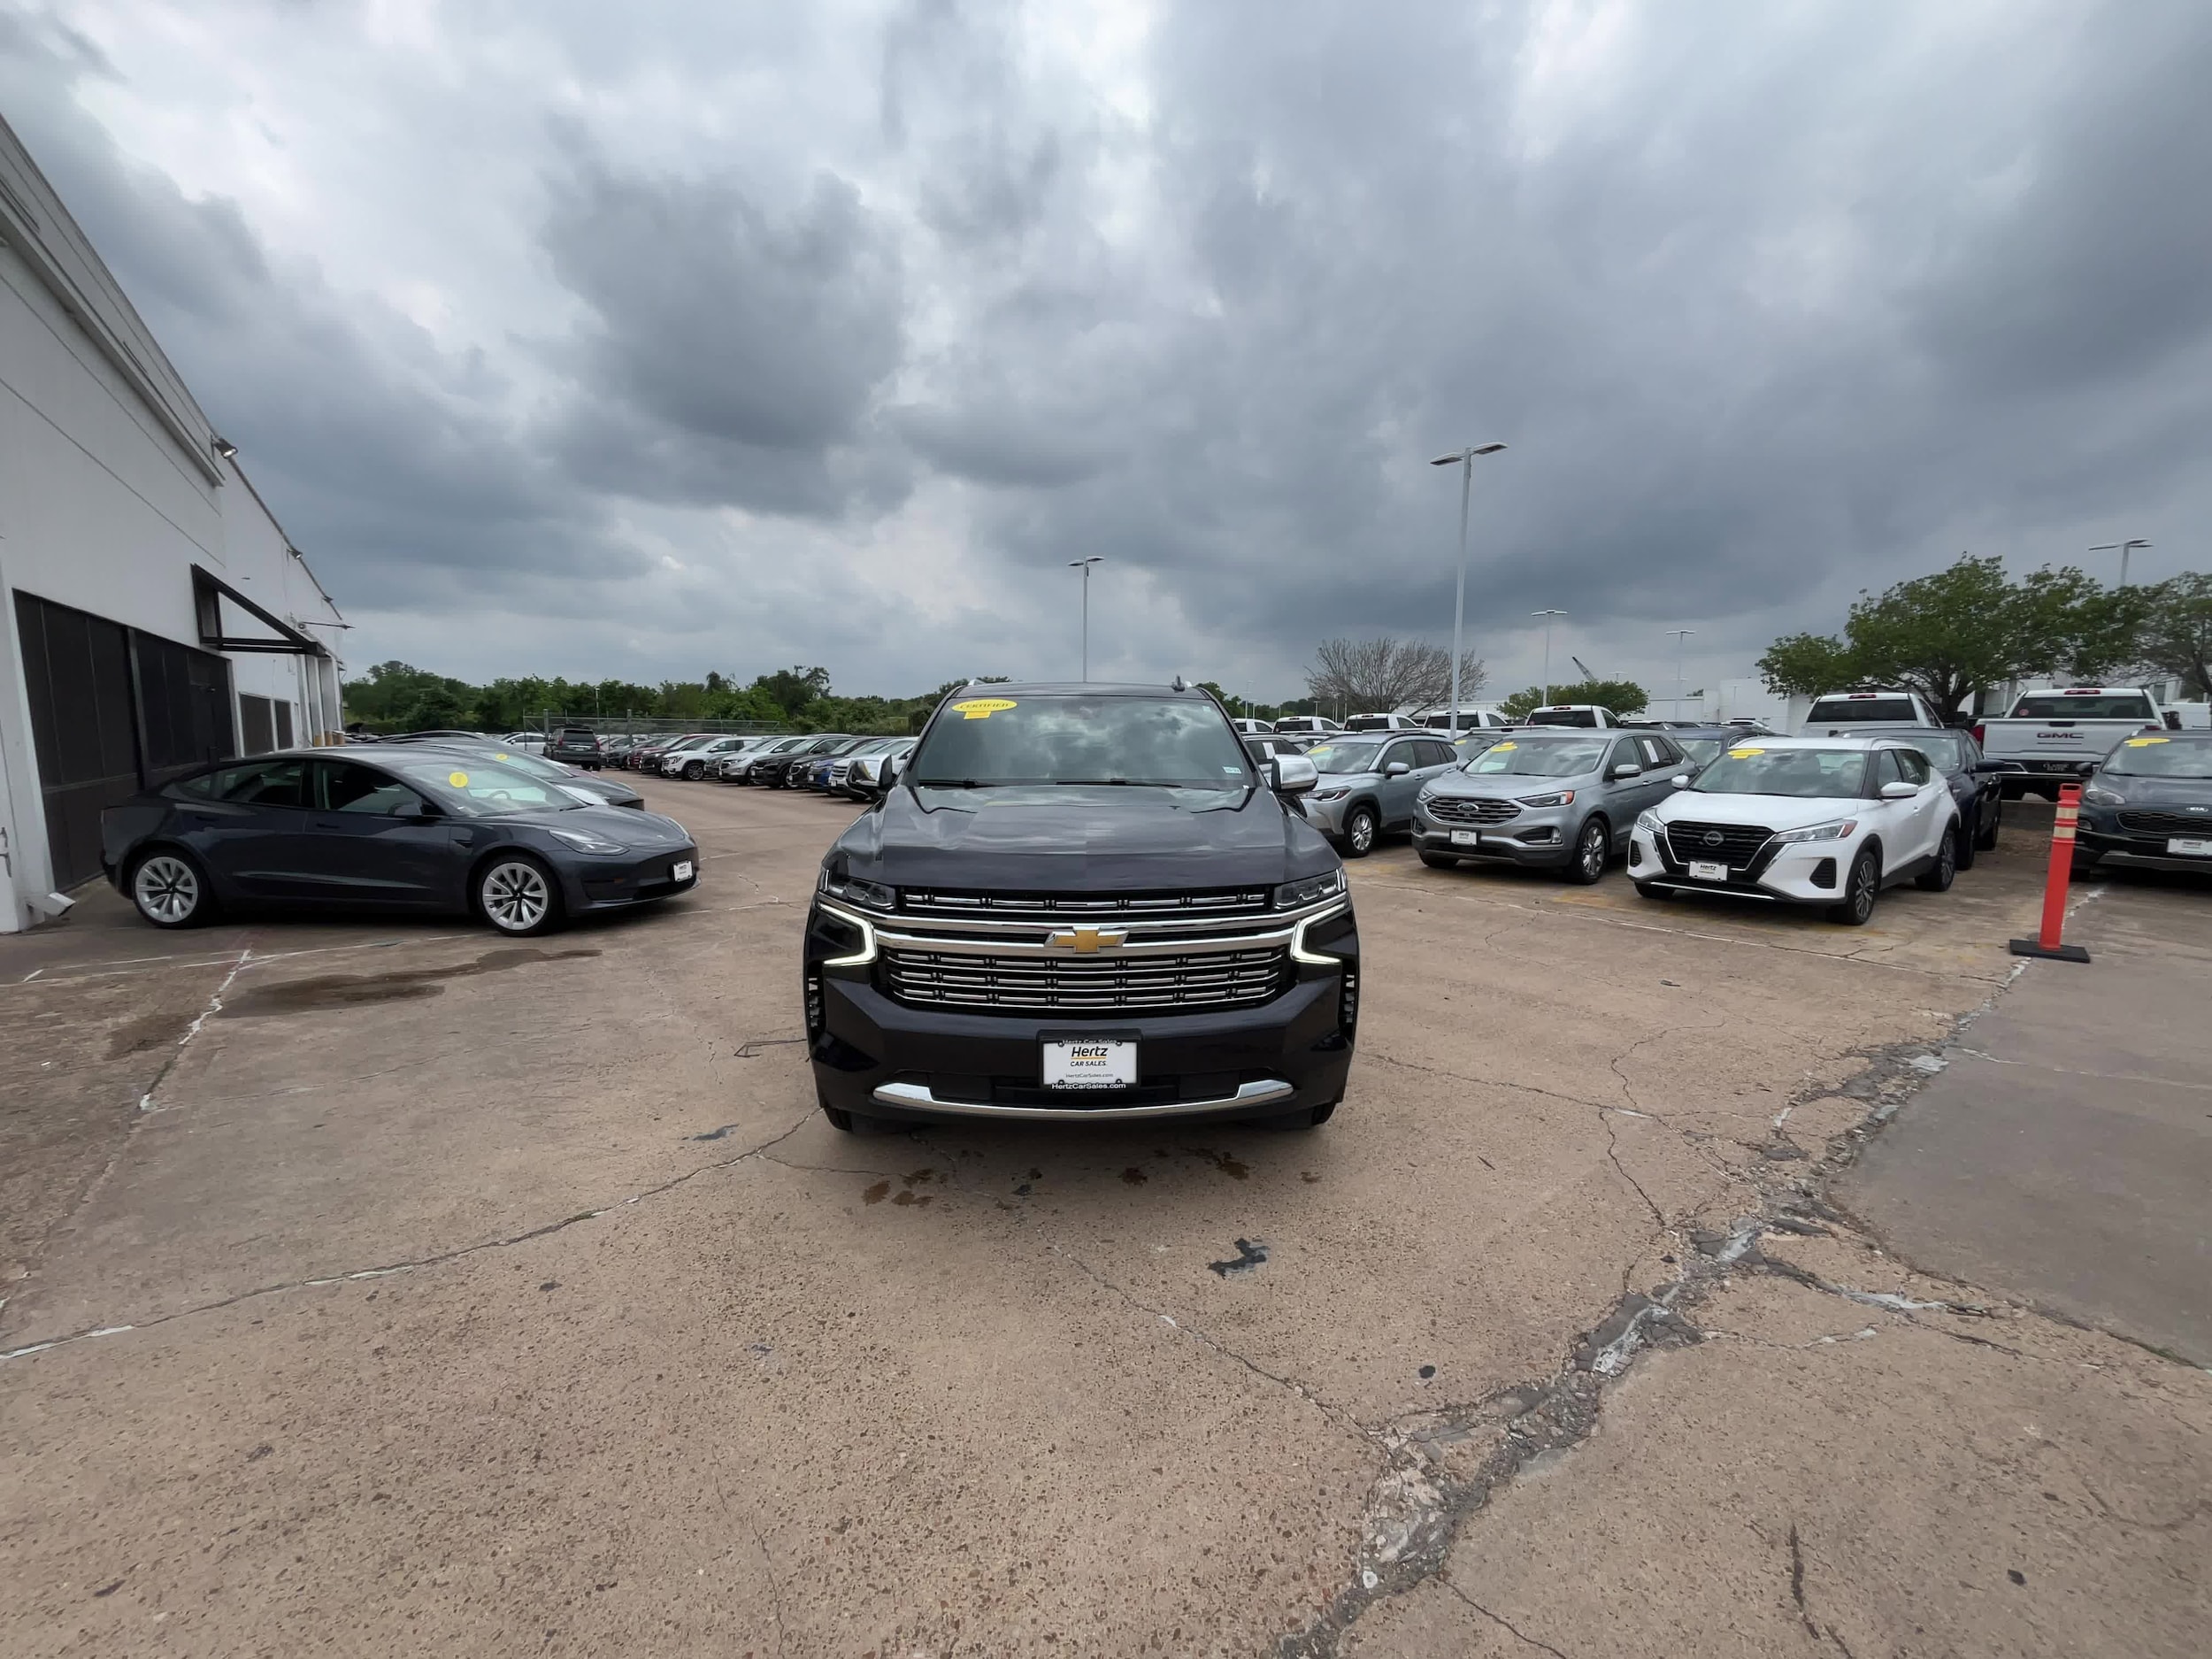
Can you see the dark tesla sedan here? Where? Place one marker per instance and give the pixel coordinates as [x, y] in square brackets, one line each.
[406, 828]
[613, 791]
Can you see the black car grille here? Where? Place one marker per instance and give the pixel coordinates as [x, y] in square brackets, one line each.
[1446, 809]
[941, 902]
[2196, 824]
[1736, 844]
[1102, 984]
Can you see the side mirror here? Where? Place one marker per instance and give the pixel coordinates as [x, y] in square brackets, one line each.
[1396, 769]
[1680, 781]
[1292, 774]
[421, 812]
[888, 772]
[2173, 720]
[1900, 791]
[1628, 769]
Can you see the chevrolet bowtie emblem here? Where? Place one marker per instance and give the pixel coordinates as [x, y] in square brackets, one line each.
[1088, 939]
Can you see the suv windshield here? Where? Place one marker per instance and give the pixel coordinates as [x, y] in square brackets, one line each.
[1807, 774]
[1843, 710]
[1539, 757]
[1174, 742]
[2162, 757]
[2059, 705]
[1345, 757]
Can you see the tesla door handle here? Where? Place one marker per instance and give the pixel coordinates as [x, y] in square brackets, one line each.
[329, 822]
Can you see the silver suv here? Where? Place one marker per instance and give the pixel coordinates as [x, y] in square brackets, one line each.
[1561, 798]
[1368, 782]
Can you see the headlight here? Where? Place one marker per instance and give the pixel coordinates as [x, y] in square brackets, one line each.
[1296, 895]
[1565, 797]
[1835, 832]
[1648, 822]
[1335, 792]
[855, 890]
[2103, 797]
[585, 841]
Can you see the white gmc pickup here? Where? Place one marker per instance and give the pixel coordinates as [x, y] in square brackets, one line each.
[2050, 735]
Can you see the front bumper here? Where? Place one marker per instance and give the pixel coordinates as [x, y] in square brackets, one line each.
[2099, 830]
[589, 883]
[1543, 837]
[1793, 873]
[881, 1058]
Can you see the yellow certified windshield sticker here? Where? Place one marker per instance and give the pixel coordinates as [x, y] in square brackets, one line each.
[499, 758]
[458, 779]
[2145, 742]
[1744, 754]
[1499, 746]
[981, 708]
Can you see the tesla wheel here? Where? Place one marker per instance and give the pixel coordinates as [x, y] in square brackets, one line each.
[515, 894]
[1440, 860]
[1860, 891]
[1985, 833]
[1938, 877]
[1593, 846]
[694, 770]
[170, 890]
[1360, 829]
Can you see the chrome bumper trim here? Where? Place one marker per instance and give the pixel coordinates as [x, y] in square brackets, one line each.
[915, 1096]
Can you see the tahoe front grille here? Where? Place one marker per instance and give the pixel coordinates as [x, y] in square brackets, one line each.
[1736, 844]
[2168, 823]
[1446, 809]
[1087, 985]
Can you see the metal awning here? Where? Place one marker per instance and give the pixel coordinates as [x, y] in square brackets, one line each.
[210, 590]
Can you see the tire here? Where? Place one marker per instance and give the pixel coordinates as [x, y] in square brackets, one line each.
[696, 770]
[1440, 860]
[1652, 891]
[1968, 839]
[168, 887]
[1938, 877]
[1361, 828]
[516, 895]
[2085, 861]
[1986, 834]
[1594, 846]
[1861, 888]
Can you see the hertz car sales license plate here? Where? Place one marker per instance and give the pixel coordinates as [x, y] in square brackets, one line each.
[1466, 838]
[1700, 870]
[1091, 1062]
[681, 870]
[2189, 847]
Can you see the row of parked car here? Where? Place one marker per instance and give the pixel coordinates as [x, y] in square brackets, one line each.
[832, 762]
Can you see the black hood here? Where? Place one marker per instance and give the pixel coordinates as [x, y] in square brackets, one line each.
[643, 831]
[1081, 839]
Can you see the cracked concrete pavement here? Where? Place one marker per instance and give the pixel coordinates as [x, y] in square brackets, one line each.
[391, 1287]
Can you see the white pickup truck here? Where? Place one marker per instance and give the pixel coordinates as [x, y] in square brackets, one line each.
[2051, 735]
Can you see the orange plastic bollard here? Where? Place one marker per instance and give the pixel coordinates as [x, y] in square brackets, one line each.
[2046, 944]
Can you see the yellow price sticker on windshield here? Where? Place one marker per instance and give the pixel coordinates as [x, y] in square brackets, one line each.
[1502, 746]
[1744, 754]
[499, 758]
[458, 779]
[2145, 742]
[981, 708]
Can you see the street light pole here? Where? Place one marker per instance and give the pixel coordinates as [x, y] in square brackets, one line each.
[1681, 636]
[2123, 549]
[1466, 459]
[1548, 616]
[1085, 566]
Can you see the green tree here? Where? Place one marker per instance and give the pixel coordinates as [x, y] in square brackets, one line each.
[1623, 696]
[1807, 664]
[2175, 630]
[791, 690]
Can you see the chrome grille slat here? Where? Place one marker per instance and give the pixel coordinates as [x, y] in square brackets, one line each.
[1086, 985]
[1051, 906]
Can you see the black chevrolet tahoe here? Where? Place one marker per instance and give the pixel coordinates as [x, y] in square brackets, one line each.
[1079, 903]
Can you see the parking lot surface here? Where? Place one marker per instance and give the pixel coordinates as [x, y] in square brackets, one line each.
[393, 1288]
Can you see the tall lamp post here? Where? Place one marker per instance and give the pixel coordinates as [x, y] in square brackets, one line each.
[1465, 461]
[1085, 566]
[1548, 616]
[2123, 549]
[1681, 636]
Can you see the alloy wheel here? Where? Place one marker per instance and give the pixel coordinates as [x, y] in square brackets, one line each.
[1360, 832]
[515, 896]
[167, 889]
[1591, 855]
[1861, 895]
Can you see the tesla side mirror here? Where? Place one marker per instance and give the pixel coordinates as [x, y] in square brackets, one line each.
[421, 812]
[1900, 790]
[1292, 774]
[1396, 769]
[1628, 769]
[1680, 781]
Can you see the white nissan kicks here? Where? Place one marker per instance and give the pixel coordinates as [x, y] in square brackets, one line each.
[1827, 821]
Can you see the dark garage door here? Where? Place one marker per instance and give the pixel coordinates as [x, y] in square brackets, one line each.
[112, 709]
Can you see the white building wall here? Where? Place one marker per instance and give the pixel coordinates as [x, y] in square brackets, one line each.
[104, 507]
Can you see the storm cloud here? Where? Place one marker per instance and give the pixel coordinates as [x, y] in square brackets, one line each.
[693, 339]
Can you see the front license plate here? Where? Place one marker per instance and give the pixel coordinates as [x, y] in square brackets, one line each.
[682, 870]
[2189, 847]
[1088, 1062]
[1466, 838]
[1702, 871]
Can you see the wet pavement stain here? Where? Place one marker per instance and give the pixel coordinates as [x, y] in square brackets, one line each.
[148, 1031]
[1234, 1168]
[1250, 1254]
[877, 1193]
[909, 1197]
[302, 996]
[921, 1178]
[1134, 1175]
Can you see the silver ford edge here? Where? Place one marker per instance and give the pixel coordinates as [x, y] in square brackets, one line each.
[1560, 798]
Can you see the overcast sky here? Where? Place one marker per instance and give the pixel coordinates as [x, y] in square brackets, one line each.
[652, 338]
